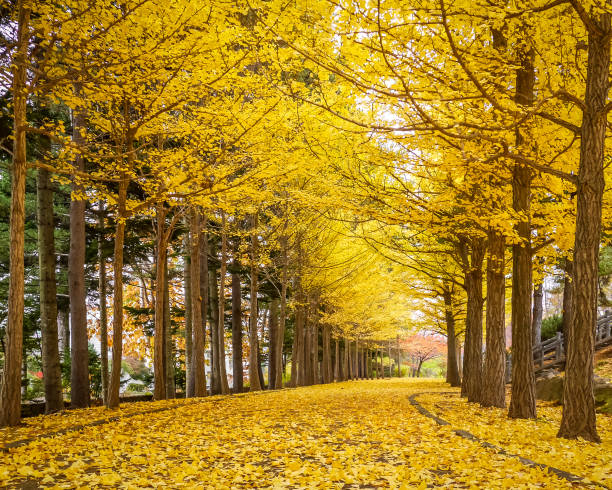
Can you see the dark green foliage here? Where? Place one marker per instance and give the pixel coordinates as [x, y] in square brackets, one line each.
[551, 325]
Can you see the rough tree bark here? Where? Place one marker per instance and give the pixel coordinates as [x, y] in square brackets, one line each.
[522, 401]
[10, 391]
[159, 361]
[473, 257]
[538, 311]
[52, 376]
[578, 418]
[494, 375]
[568, 298]
[79, 366]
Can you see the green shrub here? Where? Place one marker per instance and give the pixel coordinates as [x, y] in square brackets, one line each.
[551, 325]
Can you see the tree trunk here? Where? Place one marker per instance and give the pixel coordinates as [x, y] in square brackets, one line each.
[494, 376]
[237, 371]
[315, 351]
[568, 299]
[213, 291]
[102, 288]
[52, 376]
[189, 384]
[115, 377]
[273, 350]
[472, 362]
[307, 376]
[326, 362]
[337, 361]
[204, 288]
[578, 418]
[345, 361]
[283, 317]
[254, 383]
[79, 366]
[159, 348]
[10, 392]
[199, 333]
[538, 311]
[452, 369]
[169, 346]
[522, 402]
[221, 316]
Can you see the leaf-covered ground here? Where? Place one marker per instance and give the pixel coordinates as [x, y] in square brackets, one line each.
[363, 434]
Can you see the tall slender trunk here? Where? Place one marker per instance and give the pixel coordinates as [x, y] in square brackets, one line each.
[568, 299]
[459, 358]
[345, 360]
[10, 391]
[79, 366]
[315, 351]
[52, 376]
[189, 385]
[327, 362]
[221, 316]
[273, 350]
[102, 288]
[213, 291]
[538, 311]
[337, 361]
[283, 316]
[169, 341]
[159, 347]
[204, 288]
[578, 418]
[494, 376]
[452, 370]
[297, 344]
[254, 383]
[472, 362]
[115, 377]
[237, 370]
[522, 402]
[197, 361]
[307, 354]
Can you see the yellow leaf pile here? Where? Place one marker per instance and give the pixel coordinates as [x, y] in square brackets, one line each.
[360, 434]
